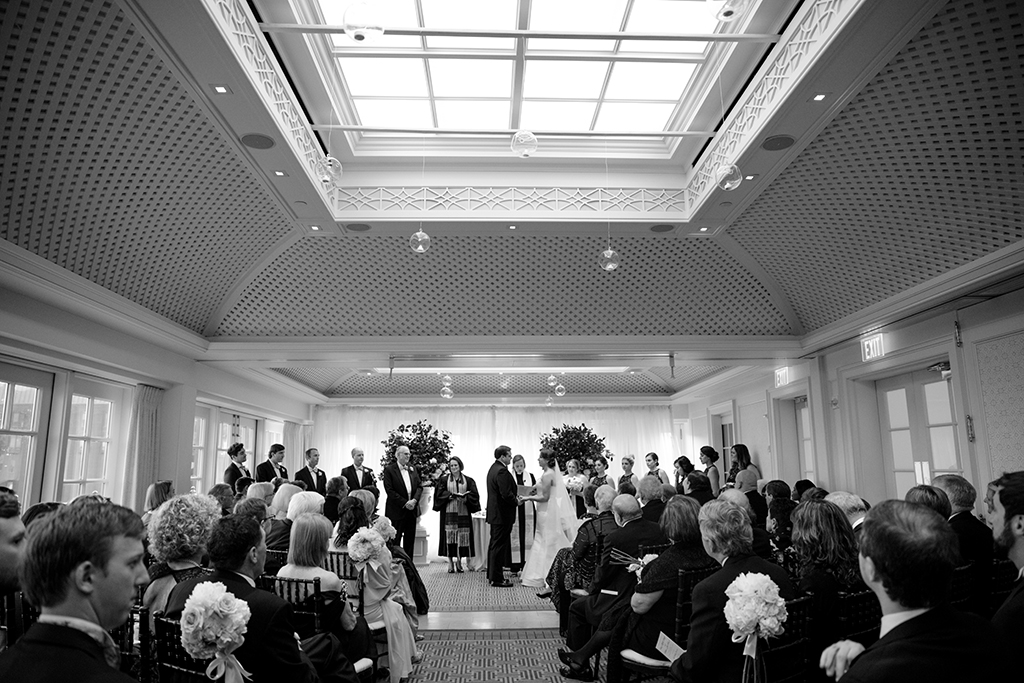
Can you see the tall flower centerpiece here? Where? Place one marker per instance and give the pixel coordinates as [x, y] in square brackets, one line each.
[213, 625]
[754, 610]
[575, 443]
[429, 449]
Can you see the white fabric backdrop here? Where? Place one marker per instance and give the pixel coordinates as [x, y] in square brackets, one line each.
[476, 431]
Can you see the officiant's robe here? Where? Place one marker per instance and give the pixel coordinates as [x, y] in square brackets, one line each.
[524, 526]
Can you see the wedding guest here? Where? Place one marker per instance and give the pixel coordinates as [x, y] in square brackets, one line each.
[358, 475]
[456, 497]
[682, 467]
[525, 524]
[653, 469]
[600, 477]
[256, 509]
[708, 458]
[224, 495]
[1006, 515]
[667, 491]
[974, 536]
[82, 565]
[589, 491]
[801, 487]
[907, 556]
[780, 533]
[157, 494]
[776, 488]
[628, 477]
[853, 507]
[627, 488]
[757, 504]
[281, 527]
[312, 476]
[650, 498]
[814, 493]
[368, 500]
[262, 490]
[236, 468]
[727, 536]
[273, 467]
[932, 497]
[337, 488]
[271, 653]
[696, 485]
[38, 511]
[403, 488]
[761, 542]
[12, 542]
[179, 533]
[747, 472]
[575, 482]
[303, 502]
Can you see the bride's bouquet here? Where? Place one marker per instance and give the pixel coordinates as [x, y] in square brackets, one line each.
[754, 610]
[213, 625]
[382, 525]
[365, 546]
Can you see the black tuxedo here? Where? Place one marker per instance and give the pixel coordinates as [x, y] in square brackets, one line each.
[976, 547]
[585, 613]
[355, 483]
[270, 652]
[233, 473]
[1009, 618]
[501, 513]
[403, 520]
[48, 653]
[939, 645]
[306, 477]
[265, 471]
[710, 655]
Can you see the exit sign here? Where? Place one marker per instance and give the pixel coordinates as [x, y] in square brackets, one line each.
[871, 347]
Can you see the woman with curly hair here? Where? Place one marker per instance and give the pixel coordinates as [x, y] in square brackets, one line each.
[178, 533]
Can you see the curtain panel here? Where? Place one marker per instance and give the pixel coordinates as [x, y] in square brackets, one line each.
[143, 445]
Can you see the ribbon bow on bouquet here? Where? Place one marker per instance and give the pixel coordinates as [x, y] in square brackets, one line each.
[754, 609]
[213, 625]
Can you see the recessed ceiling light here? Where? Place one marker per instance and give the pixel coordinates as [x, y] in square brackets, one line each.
[221, 89]
[749, 177]
[820, 96]
[280, 174]
[315, 227]
[511, 227]
[703, 229]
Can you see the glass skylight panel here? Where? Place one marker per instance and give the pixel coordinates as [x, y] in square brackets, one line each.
[647, 81]
[658, 16]
[395, 113]
[588, 16]
[473, 114]
[471, 77]
[560, 116]
[394, 77]
[637, 117]
[395, 14]
[470, 14]
[563, 80]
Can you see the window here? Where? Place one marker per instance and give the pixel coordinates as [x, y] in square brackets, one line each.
[234, 429]
[24, 411]
[200, 429]
[94, 445]
[805, 444]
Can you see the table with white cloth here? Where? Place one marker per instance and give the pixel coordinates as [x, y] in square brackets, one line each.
[481, 539]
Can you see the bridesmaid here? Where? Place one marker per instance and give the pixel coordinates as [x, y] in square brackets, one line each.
[708, 458]
[628, 477]
[652, 467]
[575, 482]
[600, 477]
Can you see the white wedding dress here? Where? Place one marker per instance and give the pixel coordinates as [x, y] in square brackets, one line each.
[556, 529]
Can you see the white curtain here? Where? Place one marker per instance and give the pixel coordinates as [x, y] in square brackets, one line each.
[143, 444]
[476, 431]
[296, 439]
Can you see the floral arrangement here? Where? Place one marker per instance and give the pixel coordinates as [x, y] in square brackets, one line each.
[382, 525]
[754, 610]
[575, 443]
[213, 625]
[365, 545]
[429, 449]
[632, 564]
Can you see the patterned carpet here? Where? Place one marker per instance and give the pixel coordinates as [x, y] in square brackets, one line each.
[470, 592]
[494, 656]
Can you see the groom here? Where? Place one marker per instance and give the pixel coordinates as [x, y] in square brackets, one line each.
[502, 500]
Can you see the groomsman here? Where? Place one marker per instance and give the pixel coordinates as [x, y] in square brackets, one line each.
[272, 467]
[402, 486]
[237, 468]
[359, 477]
[314, 478]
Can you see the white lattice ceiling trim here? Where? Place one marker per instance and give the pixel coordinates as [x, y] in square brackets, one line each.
[921, 173]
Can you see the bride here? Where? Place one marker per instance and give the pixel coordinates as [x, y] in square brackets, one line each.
[556, 522]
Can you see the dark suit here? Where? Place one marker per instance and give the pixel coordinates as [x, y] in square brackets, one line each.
[306, 477]
[48, 653]
[585, 613]
[233, 473]
[939, 645]
[1009, 618]
[501, 513]
[759, 506]
[265, 471]
[652, 510]
[710, 653]
[270, 652]
[976, 547]
[355, 483]
[403, 520]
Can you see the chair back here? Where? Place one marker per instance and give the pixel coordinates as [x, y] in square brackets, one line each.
[173, 663]
[132, 640]
[652, 549]
[962, 586]
[688, 578]
[275, 560]
[1004, 573]
[860, 616]
[788, 658]
[342, 565]
[307, 601]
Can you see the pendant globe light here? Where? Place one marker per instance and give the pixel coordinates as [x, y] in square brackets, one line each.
[362, 23]
[419, 242]
[524, 143]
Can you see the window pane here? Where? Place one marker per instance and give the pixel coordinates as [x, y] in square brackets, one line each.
[73, 461]
[368, 77]
[581, 16]
[197, 462]
[633, 116]
[471, 77]
[96, 460]
[904, 482]
[944, 448]
[79, 411]
[395, 113]
[650, 81]
[23, 408]
[896, 401]
[902, 453]
[199, 432]
[224, 439]
[563, 80]
[99, 423]
[70, 491]
[936, 399]
[473, 115]
[556, 115]
[470, 14]
[3, 404]
[15, 454]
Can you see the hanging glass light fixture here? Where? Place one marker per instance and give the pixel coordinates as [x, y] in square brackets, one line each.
[549, 401]
[362, 23]
[524, 143]
[420, 241]
[330, 173]
[446, 380]
[728, 177]
[552, 381]
[446, 392]
[609, 259]
[560, 391]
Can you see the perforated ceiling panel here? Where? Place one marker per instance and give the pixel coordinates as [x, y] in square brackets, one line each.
[921, 172]
[318, 379]
[499, 385]
[524, 285]
[111, 171]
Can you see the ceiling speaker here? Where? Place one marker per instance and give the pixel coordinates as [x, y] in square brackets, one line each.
[258, 141]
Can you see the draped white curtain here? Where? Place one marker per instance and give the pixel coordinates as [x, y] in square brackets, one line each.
[296, 439]
[143, 444]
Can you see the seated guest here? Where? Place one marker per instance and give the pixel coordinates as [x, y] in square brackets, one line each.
[626, 488]
[780, 532]
[682, 467]
[337, 488]
[369, 502]
[82, 566]
[262, 490]
[801, 487]
[613, 583]
[930, 496]
[224, 495]
[907, 556]
[242, 485]
[38, 511]
[652, 608]
[1007, 519]
[696, 485]
[179, 533]
[974, 536]
[157, 494]
[298, 503]
[667, 491]
[762, 543]
[574, 567]
[12, 538]
[853, 507]
[271, 651]
[759, 507]
[281, 527]
[727, 536]
[814, 493]
[776, 488]
[650, 498]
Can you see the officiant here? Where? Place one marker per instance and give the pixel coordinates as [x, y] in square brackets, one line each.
[526, 517]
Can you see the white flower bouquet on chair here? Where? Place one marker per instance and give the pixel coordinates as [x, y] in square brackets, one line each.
[364, 547]
[213, 625]
[754, 610]
[382, 525]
